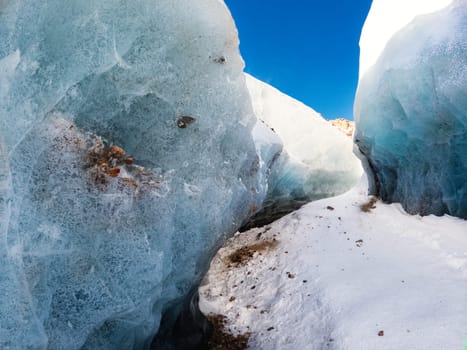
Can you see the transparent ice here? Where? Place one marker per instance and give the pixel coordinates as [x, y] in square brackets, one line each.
[411, 115]
[98, 241]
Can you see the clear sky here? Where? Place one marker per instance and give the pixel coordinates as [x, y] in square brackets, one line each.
[306, 48]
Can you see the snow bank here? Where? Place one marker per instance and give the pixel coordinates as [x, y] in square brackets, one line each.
[334, 276]
[317, 159]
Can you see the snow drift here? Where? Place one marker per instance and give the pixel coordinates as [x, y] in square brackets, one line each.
[317, 159]
[330, 276]
[411, 112]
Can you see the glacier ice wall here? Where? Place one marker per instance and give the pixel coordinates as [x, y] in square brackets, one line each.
[384, 20]
[317, 159]
[126, 156]
[411, 114]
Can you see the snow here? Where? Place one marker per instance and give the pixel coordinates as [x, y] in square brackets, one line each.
[411, 115]
[317, 159]
[339, 276]
[384, 20]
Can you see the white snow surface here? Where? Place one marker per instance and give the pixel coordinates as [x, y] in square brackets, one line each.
[307, 137]
[317, 160]
[386, 18]
[339, 276]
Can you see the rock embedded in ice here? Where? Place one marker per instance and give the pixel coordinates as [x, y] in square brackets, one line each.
[317, 159]
[109, 208]
[411, 114]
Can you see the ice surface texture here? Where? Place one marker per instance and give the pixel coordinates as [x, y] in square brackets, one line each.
[411, 115]
[384, 20]
[97, 240]
[317, 159]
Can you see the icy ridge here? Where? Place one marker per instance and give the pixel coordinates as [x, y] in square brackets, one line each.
[317, 159]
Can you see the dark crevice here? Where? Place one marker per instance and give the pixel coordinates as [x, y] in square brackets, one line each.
[183, 327]
[273, 212]
[369, 168]
[376, 182]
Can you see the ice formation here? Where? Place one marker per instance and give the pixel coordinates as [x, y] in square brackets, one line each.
[384, 20]
[126, 157]
[411, 112]
[317, 160]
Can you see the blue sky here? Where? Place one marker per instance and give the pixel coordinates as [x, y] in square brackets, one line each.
[306, 48]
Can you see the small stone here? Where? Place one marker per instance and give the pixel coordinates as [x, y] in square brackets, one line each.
[185, 120]
[114, 172]
[221, 60]
[380, 333]
[116, 152]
